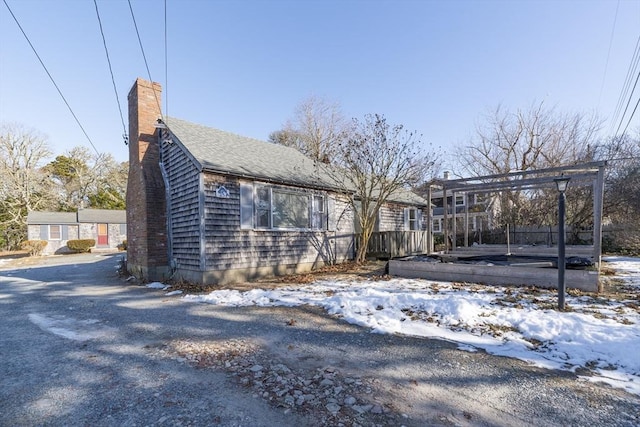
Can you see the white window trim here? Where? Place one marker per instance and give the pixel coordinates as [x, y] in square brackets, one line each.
[417, 220]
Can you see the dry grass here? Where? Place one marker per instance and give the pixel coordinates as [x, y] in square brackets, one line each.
[373, 270]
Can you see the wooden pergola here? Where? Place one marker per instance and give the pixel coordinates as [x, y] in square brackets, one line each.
[582, 175]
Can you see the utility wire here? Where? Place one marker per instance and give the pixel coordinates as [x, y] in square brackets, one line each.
[51, 78]
[145, 58]
[632, 114]
[627, 106]
[606, 65]
[627, 83]
[113, 81]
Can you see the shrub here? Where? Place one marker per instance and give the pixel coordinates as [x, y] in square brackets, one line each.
[123, 246]
[34, 247]
[81, 245]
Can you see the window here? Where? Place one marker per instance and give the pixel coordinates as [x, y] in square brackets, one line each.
[276, 208]
[263, 207]
[412, 219]
[318, 213]
[460, 200]
[55, 232]
[436, 226]
[290, 210]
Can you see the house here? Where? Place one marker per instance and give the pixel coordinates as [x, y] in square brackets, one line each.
[210, 206]
[107, 227]
[471, 207]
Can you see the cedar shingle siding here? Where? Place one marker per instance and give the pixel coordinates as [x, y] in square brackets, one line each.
[184, 207]
[232, 202]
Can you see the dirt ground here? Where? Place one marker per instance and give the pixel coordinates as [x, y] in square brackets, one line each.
[81, 345]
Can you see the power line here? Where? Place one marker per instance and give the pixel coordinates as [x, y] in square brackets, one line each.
[627, 106]
[113, 81]
[631, 117]
[51, 78]
[627, 83]
[606, 65]
[144, 57]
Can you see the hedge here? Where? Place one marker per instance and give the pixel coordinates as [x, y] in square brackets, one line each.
[81, 245]
[34, 247]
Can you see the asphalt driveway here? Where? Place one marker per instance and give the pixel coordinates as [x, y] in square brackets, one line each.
[81, 346]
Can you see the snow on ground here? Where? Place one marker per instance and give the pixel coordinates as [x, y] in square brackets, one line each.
[597, 334]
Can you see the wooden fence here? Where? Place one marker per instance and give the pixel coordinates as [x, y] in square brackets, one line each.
[391, 244]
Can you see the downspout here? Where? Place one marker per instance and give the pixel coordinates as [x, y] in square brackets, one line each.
[162, 139]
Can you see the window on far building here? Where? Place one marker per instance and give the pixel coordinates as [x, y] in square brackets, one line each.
[55, 232]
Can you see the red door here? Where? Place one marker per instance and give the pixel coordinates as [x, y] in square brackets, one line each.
[103, 235]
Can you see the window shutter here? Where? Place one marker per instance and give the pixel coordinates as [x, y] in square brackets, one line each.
[44, 232]
[246, 206]
[331, 214]
[406, 219]
[65, 232]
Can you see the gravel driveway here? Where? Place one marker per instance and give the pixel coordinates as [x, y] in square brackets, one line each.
[81, 346]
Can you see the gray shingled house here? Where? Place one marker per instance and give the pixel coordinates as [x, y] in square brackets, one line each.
[223, 208]
[107, 227]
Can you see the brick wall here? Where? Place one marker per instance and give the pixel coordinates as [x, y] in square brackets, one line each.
[146, 203]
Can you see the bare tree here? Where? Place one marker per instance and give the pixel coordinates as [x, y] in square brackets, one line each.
[529, 139]
[375, 160]
[314, 130]
[23, 186]
[525, 140]
[622, 190]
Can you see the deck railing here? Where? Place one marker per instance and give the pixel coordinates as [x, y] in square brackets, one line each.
[391, 244]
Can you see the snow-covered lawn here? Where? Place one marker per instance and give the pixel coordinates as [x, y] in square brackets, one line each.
[598, 334]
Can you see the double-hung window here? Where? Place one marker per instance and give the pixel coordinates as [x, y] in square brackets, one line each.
[263, 207]
[269, 207]
[55, 232]
[412, 219]
[319, 213]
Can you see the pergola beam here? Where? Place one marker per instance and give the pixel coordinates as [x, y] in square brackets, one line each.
[583, 174]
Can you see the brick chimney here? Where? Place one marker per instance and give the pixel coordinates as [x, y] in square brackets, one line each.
[147, 256]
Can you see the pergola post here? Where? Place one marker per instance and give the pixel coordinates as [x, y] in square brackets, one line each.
[429, 222]
[445, 220]
[454, 221]
[598, 201]
[466, 220]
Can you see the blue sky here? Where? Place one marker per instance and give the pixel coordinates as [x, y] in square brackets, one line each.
[242, 66]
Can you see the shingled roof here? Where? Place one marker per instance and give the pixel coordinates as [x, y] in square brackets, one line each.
[52, 218]
[223, 152]
[226, 153]
[105, 216]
